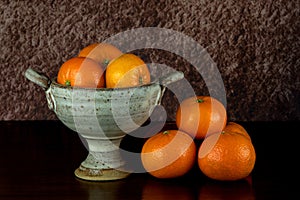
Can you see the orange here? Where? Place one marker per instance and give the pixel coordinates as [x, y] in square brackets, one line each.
[169, 154]
[236, 128]
[200, 116]
[128, 70]
[103, 53]
[226, 156]
[81, 72]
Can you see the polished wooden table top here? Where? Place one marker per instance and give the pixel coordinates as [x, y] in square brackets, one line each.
[38, 159]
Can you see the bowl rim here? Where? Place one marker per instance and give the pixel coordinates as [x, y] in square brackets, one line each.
[56, 84]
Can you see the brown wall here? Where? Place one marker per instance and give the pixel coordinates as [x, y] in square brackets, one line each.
[255, 45]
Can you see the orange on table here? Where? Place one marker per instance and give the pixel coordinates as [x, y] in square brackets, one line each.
[200, 116]
[169, 154]
[226, 156]
[236, 128]
[128, 70]
[81, 72]
[103, 53]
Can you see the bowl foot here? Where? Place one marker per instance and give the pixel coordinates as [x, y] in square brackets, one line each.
[99, 174]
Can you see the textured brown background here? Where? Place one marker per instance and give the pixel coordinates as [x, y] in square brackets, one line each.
[255, 45]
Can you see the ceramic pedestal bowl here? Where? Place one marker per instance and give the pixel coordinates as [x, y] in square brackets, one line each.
[102, 117]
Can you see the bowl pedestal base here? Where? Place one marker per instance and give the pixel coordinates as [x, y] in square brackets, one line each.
[103, 163]
[100, 174]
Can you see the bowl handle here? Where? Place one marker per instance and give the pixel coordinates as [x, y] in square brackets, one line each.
[166, 80]
[171, 77]
[37, 78]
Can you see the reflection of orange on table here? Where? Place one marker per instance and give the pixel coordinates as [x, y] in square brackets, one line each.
[159, 190]
[236, 190]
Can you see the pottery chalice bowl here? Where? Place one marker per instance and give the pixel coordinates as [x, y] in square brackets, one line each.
[102, 117]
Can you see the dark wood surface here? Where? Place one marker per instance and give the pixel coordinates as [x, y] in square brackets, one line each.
[38, 159]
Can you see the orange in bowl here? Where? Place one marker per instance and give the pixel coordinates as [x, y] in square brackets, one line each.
[128, 70]
[81, 72]
[103, 53]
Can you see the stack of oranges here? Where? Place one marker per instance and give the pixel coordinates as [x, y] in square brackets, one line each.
[102, 65]
[225, 153]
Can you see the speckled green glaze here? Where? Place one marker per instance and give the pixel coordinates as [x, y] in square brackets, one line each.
[102, 117]
[82, 109]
